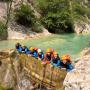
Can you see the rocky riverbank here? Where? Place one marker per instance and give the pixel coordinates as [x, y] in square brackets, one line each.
[16, 31]
[79, 78]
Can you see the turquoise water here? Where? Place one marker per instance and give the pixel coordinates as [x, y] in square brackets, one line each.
[67, 43]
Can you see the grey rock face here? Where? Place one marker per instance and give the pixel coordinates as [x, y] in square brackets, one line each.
[2, 11]
[79, 78]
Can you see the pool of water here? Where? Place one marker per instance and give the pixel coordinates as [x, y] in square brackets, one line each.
[67, 43]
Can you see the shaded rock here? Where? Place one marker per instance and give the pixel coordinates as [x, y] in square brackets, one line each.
[79, 78]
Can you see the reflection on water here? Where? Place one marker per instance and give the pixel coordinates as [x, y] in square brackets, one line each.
[67, 43]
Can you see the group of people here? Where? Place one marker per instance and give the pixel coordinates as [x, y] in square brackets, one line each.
[50, 56]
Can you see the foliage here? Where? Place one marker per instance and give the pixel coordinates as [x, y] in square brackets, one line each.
[81, 9]
[3, 30]
[59, 15]
[37, 27]
[56, 15]
[1, 88]
[24, 15]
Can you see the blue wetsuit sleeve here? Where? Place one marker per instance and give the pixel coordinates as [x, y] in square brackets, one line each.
[42, 56]
[56, 64]
[27, 51]
[20, 49]
[35, 55]
[70, 67]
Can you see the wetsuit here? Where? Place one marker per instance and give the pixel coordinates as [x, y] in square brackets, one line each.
[67, 65]
[56, 61]
[41, 56]
[19, 48]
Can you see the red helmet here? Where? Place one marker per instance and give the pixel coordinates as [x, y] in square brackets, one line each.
[35, 48]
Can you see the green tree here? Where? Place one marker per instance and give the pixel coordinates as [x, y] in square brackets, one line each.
[24, 15]
[3, 31]
[56, 15]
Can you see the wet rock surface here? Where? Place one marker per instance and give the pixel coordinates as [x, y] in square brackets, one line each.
[79, 78]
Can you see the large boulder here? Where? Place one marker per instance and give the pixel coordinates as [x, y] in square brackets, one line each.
[82, 27]
[79, 78]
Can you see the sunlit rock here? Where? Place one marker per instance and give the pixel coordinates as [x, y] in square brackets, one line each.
[79, 78]
[82, 27]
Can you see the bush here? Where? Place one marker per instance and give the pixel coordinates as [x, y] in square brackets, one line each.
[58, 23]
[56, 15]
[37, 27]
[3, 31]
[24, 16]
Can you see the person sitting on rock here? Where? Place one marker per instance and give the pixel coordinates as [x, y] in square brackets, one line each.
[33, 52]
[48, 56]
[18, 47]
[25, 50]
[40, 54]
[55, 60]
[66, 62]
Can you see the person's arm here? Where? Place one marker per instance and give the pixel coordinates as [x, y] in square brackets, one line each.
[44, 59]
[69, 67]
[42, 56]
[35, 55]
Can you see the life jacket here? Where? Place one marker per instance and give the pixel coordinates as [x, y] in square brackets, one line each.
[67, 65]
[18, 46]
[27, 51]
[23, 50]
[48, 57]
[55, 60]
[34, 54]
[41, 56]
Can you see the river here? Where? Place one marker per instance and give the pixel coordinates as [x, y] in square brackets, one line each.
[72, 44]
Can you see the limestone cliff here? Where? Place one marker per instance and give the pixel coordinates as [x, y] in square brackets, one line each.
[79, 78]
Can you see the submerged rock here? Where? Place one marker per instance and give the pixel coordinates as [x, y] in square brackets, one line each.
[79, 78]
